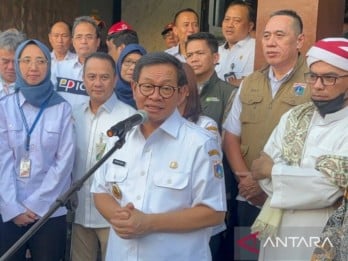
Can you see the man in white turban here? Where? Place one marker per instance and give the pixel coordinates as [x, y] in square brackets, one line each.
[304, 165]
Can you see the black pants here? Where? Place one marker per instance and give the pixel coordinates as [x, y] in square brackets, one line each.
[48, 243]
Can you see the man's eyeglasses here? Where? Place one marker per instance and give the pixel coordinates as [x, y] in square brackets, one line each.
[29, 61]
[326, 80]
[166, 91]
[87, 37]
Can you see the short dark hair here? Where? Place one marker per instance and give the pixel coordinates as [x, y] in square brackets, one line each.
[297, 19]
[156, 58]
[249, 7]
[88, 20]
[190, 10]
[101, 56]
[210, 39]
[124, 37]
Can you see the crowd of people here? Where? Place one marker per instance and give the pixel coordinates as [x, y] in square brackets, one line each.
[221, 145]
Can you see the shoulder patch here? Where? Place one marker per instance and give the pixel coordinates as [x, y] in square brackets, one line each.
[218, 169]
[212, 128]
[213, 152]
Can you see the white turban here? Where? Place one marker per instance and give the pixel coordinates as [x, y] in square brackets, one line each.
[333, 51]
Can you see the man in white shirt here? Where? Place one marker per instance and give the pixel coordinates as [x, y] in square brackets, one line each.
[186, 22]
[162, 203]
[238, 52]
[60, 40]
[9, 41]
[92, 119]
[67, 77]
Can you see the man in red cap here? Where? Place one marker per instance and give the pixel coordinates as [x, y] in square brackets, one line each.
[303, 166]
[120, 34]
[169, 37]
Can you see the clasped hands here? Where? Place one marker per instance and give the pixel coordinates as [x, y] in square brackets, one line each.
[128, 222]
[248, 186]
[26, 218]
[261, 168]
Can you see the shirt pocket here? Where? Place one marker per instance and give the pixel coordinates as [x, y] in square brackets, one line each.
[291, 101]
[16, 135]
[50, 136]
[251, 109]
[116, 174]
[171, 191]
[171, 180]
[116, 182]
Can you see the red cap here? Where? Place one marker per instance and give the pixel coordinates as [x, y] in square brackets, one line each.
[118, 27]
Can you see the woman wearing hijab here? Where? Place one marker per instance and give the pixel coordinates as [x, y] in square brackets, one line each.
[124, 70]
[37, 150]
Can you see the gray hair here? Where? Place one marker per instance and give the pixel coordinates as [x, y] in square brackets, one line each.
[159, 58]
[86, 19]
[10, 39]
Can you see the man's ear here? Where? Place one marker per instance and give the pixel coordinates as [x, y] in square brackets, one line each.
[300, 41]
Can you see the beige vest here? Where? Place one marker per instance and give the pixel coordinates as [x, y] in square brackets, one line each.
[261, 113]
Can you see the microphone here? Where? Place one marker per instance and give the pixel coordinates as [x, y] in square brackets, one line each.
[122, 127]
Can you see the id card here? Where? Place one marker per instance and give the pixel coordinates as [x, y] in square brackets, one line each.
[24, 168]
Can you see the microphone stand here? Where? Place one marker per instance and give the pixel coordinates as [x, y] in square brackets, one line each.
[62, 200]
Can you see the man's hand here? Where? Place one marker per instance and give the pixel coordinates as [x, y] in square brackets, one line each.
[248, 187]
[261, 168]
[128, 222]
[25, 218]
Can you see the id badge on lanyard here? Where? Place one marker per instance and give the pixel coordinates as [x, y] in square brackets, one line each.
[25, 163]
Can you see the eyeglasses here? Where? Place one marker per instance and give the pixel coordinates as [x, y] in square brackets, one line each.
[128, 63]
[29, 61]
[326, 80]
[87, 37]
[166, 91]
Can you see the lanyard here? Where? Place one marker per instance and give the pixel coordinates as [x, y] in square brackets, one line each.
[29, 131]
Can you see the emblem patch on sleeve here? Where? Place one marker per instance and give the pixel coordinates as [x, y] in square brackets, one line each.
[213, 152]
[218, 169]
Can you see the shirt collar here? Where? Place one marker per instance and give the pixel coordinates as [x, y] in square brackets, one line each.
[271, 76]
[240, 43]
[107, 106]
[69, 55]
[172, 124]
[332, 117]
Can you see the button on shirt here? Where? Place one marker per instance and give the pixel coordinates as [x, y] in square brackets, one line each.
[238, 59]
[91, 140]
[52, 150]
[159, 178]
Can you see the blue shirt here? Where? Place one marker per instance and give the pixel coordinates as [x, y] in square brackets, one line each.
[52, 150]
